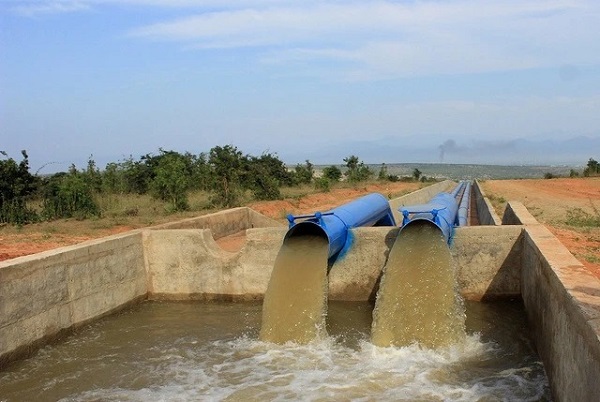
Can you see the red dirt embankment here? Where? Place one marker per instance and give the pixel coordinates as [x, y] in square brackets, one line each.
[278, 210]
[551, 201]
[38, 238]
[50, 235]
[547, 200]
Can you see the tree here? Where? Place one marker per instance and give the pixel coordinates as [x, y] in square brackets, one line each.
[332, 173]
[201, 177]
[592, 168]
[137, 174]
[113, 179]
[171, 180]
[416, 174]
[357, 171]
[17, 185]
[92, 175]
[323, 184]
[270, 165]
[226, 164]
[383, 172]
[263, 175]
[351, 162]
[304, 173]
[68, 195]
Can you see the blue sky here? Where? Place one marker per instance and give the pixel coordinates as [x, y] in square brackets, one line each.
[390, 81]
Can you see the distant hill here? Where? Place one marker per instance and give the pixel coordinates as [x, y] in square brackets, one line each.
[473, 171]
[572, 151]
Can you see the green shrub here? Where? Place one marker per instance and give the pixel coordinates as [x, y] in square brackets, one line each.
[69, 195]
[332, 173]
[357, 171]
[171, 181]
[17, 186]
[323, 184]
[592, 168]
[303, 174]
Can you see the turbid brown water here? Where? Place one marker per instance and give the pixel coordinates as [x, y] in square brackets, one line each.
[210, 352]
[294, 306]
[417, 300]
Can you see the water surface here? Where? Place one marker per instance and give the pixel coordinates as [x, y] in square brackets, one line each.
[210, 351]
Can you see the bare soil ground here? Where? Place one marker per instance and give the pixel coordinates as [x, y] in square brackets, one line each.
[551, 201]
[547, 200]
[278, 210]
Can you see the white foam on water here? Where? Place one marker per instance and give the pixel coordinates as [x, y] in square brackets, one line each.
[251, 370]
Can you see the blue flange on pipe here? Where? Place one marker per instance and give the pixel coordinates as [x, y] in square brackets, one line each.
[370, 210]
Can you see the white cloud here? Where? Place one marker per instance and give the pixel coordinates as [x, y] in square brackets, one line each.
[376, 39]
[384, 39]
[34, 8]
[37, 8]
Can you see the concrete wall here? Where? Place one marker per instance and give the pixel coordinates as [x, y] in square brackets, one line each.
[515, 213]
[488, 271]
[224, 223]
[45, 294]
[188, 264]
[488, 260]
[485, 210]
[420, 196]
[184, 264]
[562, 300]
[355, 276]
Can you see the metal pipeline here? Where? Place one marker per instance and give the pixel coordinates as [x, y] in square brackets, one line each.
[463, 208]
[370, 210]
[441, 210]
[457, 189]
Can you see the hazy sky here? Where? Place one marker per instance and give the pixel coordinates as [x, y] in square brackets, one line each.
[420, 80]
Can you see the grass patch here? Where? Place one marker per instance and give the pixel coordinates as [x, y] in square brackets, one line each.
[577, 217]
[592, 258]
[296, 193]
[498, 202]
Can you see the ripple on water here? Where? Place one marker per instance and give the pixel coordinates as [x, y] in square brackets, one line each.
[191, 362]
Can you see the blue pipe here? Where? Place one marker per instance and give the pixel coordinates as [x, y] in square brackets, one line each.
[370, 210]
[457, 189]
[441, 210]
[463, 208]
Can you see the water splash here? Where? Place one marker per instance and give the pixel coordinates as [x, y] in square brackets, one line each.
[295, 304]
[417, 301]
[209, 351]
